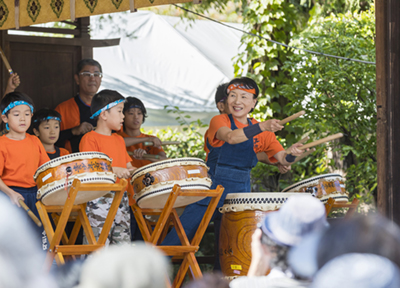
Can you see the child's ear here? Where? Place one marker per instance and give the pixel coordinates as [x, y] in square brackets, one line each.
[36, 132]
[103, 115]
[4, 118]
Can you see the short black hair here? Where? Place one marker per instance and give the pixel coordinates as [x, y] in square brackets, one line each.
[220, 93]
[246, 82]
[41, 116]
[12, 97]
[103, 98]
[133, 102]
[84, 62]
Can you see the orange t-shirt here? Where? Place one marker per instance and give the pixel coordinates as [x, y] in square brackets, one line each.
[19, 160]
[69, 112]
[149, 149]
[63, 151]
[263, 142]
[113, 146]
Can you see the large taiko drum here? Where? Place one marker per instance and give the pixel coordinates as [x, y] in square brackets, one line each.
[323, 187]
[241, 213]
[54, 178]
[153, 183]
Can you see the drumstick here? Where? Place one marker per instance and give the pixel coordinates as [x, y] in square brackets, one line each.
[5, 61]
[146, 156]
[305, 139]
[290, 118]
[163, 143]
[30, 213]
[304, 155]
[320, 141]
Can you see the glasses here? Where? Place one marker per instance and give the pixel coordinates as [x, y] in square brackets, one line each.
[88, 74]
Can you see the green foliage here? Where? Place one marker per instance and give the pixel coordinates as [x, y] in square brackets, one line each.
[189, 134]
[338, 96]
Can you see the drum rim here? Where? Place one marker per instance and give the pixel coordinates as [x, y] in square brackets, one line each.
[138, 172]
[52, 190]
[230, 195]
[305, 181]
[76, 155]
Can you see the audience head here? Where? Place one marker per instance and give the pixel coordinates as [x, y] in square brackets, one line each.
[297, 218]
[371, 234]
[21, 259]
[46, 125]
[88, 76]
[358, 270]
[139, 266]
[17, 109]
[135, 113]
[209, 280]
[108, 105]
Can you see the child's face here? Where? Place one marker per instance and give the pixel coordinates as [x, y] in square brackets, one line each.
[115, 117]
[49, 131]
[19, 118]
[240, 103]
[133, 118]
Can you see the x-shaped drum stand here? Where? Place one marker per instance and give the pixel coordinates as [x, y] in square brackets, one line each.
[169, 215]
[59, 251]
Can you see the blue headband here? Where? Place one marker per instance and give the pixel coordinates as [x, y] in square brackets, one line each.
[48, 118]
[15, 104]
[108, 106]
[136, 106]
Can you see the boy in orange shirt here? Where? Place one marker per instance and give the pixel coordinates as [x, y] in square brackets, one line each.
[21, 154]
[135, 113]
[46, 126]
[107, 107]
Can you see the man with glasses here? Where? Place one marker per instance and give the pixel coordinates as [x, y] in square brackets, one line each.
[75, 112]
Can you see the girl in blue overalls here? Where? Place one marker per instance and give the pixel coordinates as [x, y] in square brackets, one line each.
[232, 155]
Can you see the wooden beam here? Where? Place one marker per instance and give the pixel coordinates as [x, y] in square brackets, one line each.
[388, 105]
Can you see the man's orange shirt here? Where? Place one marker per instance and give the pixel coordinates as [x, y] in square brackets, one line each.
[263, 142]
[149, 149]
[113, 146]
[19, 160]
[69, 112]
[63, 151]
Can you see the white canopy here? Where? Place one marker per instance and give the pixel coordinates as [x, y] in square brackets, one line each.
[167, 61]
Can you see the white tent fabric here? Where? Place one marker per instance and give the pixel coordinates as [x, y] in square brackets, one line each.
[167, 61]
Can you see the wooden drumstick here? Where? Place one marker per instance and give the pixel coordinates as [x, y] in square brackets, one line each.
[30, 213]
[305, 139]
[145, 156]
[304, 155]
[320, 141]
[5, 61]
[290, 118]
[163, 143]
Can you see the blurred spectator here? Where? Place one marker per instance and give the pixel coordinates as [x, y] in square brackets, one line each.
[125, 266]
[210, 280]
[372, 234]
[21, 260]
[358, 270]
[280, 230]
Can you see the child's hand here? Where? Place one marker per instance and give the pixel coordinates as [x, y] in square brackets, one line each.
[271, 125]
[283, 168]
[82, 129]
[15, 197]
[157, 142]
[14, 81]
[138, 153]
[122, 172]
[294, 149]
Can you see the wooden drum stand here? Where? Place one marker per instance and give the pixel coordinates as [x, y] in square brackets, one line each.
[58, 251]
[169, 215]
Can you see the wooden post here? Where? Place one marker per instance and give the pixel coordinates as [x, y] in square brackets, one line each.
[388, 104]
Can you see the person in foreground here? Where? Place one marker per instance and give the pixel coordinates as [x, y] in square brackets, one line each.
[279, 231]
[107, 107]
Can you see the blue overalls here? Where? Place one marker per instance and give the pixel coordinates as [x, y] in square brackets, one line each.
[230, 166]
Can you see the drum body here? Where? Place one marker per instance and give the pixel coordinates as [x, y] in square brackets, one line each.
[241, 214]
[323, 187]
[153, 183]
[54, 178]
